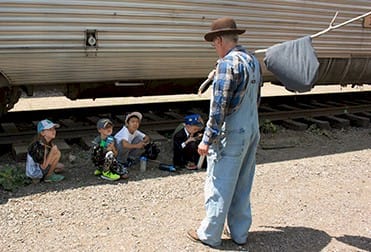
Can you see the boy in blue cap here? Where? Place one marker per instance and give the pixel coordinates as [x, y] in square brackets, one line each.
[43, 155]
[185, 142]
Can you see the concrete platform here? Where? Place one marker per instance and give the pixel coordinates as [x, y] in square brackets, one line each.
[37, 103]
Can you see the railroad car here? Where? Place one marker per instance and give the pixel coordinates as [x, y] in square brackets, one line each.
[90, 49]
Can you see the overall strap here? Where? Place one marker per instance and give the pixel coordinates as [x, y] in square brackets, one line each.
[250, 66]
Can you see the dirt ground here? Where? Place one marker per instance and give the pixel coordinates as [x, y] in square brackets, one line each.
[311, 193]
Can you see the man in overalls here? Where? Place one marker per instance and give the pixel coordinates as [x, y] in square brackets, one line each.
[231, 138]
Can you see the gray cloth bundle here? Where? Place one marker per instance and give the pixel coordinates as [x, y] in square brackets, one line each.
[294, 63]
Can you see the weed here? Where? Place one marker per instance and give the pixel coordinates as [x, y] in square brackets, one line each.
[317, 131]
[12, 177]
[268, 127]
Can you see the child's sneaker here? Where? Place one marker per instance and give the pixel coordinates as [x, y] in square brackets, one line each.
[124, 174]
[97, 172]
[191, 166]
[122, 171]
[53, 178]
[109, 176]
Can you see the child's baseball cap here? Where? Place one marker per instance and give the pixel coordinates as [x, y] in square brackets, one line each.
[194, 119]
[46, 124]
[133, 114]
[103, 123]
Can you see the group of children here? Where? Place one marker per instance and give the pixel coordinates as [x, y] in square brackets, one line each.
[112, 155]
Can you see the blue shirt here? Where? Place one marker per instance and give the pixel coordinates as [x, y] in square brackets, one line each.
[228, 90]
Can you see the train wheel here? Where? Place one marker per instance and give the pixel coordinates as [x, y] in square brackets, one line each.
[8, 97]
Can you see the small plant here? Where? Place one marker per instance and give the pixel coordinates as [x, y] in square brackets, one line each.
[268, 127]
[314, 129]
[317, 131]
[12, 177]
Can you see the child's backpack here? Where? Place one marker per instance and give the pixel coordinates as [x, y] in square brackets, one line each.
[97, 155]
[111, 163]
[36, 151]
[151, 151]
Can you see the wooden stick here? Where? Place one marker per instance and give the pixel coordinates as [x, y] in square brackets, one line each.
[201, 89]
[329, 28]
[200, 161]
[203, 85]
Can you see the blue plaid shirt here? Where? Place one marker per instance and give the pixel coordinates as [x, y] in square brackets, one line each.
[228, 91]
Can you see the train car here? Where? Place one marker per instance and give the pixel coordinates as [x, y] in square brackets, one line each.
[90, 49]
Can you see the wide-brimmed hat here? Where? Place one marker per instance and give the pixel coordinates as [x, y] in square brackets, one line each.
[46, 124]
[221, 26]
[135, 114]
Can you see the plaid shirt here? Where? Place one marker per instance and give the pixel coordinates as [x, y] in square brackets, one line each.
[228, 91]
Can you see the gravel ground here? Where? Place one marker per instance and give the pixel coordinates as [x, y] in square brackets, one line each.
[311, 193]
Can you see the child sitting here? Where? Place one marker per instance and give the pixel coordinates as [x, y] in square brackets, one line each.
[105, 152]
[43, 155]
[131, 141]
[185, 142]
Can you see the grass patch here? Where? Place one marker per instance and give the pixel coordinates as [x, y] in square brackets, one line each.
[12, 178]
[268, 127]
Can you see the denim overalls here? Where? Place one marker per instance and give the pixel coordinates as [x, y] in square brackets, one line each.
[231, 168]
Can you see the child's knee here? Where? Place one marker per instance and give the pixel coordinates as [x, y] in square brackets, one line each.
[55, 152]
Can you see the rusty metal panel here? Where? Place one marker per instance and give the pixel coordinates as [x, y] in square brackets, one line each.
[44, 41]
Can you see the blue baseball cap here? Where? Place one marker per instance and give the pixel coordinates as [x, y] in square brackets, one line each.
[194, 119]
[46, 124]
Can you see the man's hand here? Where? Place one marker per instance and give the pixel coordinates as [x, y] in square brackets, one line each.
[211, 74]
[203, 149]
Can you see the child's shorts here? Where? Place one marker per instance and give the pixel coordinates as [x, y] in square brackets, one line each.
[33, 169]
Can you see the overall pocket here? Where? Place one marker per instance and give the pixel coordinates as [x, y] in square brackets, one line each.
[232, 143]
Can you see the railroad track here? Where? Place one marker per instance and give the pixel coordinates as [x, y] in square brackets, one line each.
[326, 111]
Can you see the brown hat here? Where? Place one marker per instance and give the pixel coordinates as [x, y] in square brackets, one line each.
[221, 26]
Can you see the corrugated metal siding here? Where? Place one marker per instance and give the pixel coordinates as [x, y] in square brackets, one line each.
[44, 41]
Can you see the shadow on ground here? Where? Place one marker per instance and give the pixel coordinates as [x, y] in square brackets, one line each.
[290, 145]
[285, 145]
[292, 239]
[359, 242]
